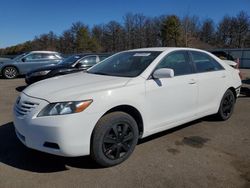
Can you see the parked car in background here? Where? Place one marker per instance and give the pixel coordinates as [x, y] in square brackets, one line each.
[243, 55]
[225, 57]
[26, 62]
[74, 63]
[130, 95]
[4, 59]
[228, 59]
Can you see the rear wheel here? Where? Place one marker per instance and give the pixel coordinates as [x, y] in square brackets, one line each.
[10, 72]
[114, 139]
[226, 105]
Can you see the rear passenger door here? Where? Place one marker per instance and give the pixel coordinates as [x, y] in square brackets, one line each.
[211, 80]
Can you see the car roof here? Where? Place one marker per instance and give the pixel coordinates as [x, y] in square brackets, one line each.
[165, 49]
[85, 54]
[43, 52]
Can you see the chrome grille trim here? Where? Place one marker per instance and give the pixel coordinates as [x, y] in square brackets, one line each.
[23, 108]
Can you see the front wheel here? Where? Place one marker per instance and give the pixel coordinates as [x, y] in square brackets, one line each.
[114, 139]
[226, 106]
[10, 72]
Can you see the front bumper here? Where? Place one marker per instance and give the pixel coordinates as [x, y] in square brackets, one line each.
[64, 135]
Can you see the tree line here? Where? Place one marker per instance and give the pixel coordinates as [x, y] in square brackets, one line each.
[138, 30]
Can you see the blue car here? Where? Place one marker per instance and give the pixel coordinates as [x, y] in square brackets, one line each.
[27, 62]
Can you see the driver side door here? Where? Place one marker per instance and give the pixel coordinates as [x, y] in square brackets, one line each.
[170, 101]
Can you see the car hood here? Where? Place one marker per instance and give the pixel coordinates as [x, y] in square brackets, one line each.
[3, 60]
[73, 86]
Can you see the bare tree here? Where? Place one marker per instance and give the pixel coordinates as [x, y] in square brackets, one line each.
[190, 28]
[225, 32]
[207, 33]
[138, 31]
[241, 29]
[114, 37]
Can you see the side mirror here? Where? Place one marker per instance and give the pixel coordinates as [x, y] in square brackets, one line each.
[163, 73]
[23, 59]
[78, 65]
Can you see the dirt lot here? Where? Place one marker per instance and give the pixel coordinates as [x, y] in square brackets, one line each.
[204, 153]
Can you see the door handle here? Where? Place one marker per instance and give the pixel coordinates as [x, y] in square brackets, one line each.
[192, 81]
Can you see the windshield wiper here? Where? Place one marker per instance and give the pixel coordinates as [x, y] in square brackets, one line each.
[100, 73]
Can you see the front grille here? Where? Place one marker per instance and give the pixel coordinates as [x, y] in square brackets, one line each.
[22, 108]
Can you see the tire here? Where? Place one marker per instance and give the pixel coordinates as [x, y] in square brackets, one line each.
[10, 72]
[114, 139]
[226, 106]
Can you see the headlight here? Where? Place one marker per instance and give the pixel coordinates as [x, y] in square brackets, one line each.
[62, 108]
[41, 73]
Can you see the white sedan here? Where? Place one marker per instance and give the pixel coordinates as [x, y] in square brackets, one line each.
[130, 95]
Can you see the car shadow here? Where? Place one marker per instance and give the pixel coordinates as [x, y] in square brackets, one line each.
[169, 131]
[15, 154]
[245, 92]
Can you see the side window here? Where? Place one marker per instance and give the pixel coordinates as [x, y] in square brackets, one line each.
[178, 62]
[102, 57]
[35, 56]
[204, 63]
[48, 56]
[88, 61]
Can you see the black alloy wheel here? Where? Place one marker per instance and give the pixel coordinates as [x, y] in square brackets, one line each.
[114, 138]
[226, 106]
[118, 141]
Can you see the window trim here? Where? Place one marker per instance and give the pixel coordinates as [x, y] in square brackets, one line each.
[31, 60]
[194, 65]
[150, 77]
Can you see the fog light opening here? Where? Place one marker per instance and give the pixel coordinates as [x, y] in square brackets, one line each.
[51, 145]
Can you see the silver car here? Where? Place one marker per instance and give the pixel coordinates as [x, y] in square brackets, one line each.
[27, 62]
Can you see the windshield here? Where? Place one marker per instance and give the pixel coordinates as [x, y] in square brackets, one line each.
[70, 60]
[19, 56]
[125, 64]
